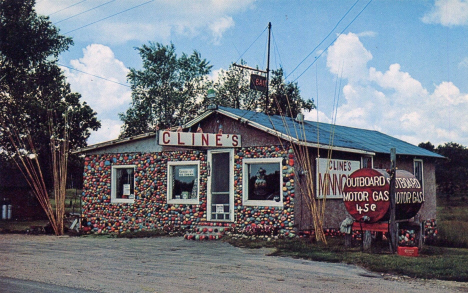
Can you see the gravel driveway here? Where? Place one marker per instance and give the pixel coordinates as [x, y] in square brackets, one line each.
[178, 265]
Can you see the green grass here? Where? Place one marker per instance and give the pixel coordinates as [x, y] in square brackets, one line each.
[446, 260]
[72, 201]
[452, 222]
[433, 262]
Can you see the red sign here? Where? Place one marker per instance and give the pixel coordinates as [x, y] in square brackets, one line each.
[367, 194]
[258, 82]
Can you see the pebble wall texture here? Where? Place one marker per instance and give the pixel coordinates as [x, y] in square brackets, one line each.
[150, 210]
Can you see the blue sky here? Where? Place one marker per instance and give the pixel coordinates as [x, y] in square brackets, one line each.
[399, 67]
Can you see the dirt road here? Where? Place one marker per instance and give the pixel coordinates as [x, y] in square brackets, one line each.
[178, 265]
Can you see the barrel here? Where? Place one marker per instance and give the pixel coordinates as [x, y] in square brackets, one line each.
[366, 195]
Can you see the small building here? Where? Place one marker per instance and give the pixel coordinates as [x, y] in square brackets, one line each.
[17, 201]
[237, 168]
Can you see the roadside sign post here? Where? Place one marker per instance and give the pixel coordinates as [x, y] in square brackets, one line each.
[392, 224]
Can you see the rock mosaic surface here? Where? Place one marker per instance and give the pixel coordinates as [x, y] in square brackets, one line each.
[150, 210]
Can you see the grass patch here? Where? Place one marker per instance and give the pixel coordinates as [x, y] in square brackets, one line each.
[452, 222]
[72, 201]
[433, 262]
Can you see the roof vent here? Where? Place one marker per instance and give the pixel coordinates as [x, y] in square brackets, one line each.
[300, 118]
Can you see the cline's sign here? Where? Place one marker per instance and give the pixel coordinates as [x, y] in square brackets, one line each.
[199, 139]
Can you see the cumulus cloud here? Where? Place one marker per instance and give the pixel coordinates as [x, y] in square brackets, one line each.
[463, 63]
[105, 93]
[394, 102]
[110, 130]
[100, 78]
[448, 13]
[348, 57]
[219, 26]
[158, 19]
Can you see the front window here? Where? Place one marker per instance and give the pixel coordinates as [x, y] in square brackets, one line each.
[263, 182]
[366, 162]
[418, 171]
[123, 184]
[182, 179]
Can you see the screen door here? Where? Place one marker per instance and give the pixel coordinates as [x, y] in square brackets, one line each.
[220, 194]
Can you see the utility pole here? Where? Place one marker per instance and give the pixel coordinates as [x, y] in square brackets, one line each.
[392, 225]
[268, 69]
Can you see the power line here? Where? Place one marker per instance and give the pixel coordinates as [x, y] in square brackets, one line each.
[109, 16]
[277, 50]
[67, 7]
[106, 79]
[316, 58]
[324, 38]
[85, 11]
[251, 44]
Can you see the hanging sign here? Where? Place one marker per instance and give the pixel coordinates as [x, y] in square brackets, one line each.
[170, 138]
[332, 175]
[258, 82]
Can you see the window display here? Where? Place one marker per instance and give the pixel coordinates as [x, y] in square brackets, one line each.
[183, 182]
[262, 182]
[123, 183]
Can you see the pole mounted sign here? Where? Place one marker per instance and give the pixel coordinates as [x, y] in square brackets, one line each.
[258, 82]
[367, 194]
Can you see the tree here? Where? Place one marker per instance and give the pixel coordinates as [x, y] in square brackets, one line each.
[167, 91]
[452, 173]
[39, 115]
[285, 98]
[233, 89]
[428, 146]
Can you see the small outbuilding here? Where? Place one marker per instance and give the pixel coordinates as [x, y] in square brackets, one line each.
[238, 169]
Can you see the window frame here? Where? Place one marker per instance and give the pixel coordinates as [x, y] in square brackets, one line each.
[371, 161]
[169, 198]
[245, 182]
[422, 171]
[114, 198]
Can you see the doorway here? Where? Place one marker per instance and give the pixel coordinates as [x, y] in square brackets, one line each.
[220, 185]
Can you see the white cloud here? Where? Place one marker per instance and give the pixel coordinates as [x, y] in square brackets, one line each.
[110, 130]
[463, 63]
[159, 19]
[99, 81]
[367, 34]
[393, 102]
[448, 13]
[348, 58]
[101, 94]
[219, 26]
[312, 116]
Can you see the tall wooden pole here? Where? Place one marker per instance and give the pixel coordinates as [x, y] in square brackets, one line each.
[268, 69]
[392, 225]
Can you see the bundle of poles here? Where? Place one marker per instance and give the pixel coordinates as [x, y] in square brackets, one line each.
[305, 182]
[26, 158]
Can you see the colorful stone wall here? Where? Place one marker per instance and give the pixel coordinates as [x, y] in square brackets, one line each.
[150, 210]
[263, 220]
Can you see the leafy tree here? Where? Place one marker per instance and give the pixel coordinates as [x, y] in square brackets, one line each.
[285, 98]
[35, 99]
[452, 173]
[233, 89]
[167, 91]
[31, 83]
[428, 146]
